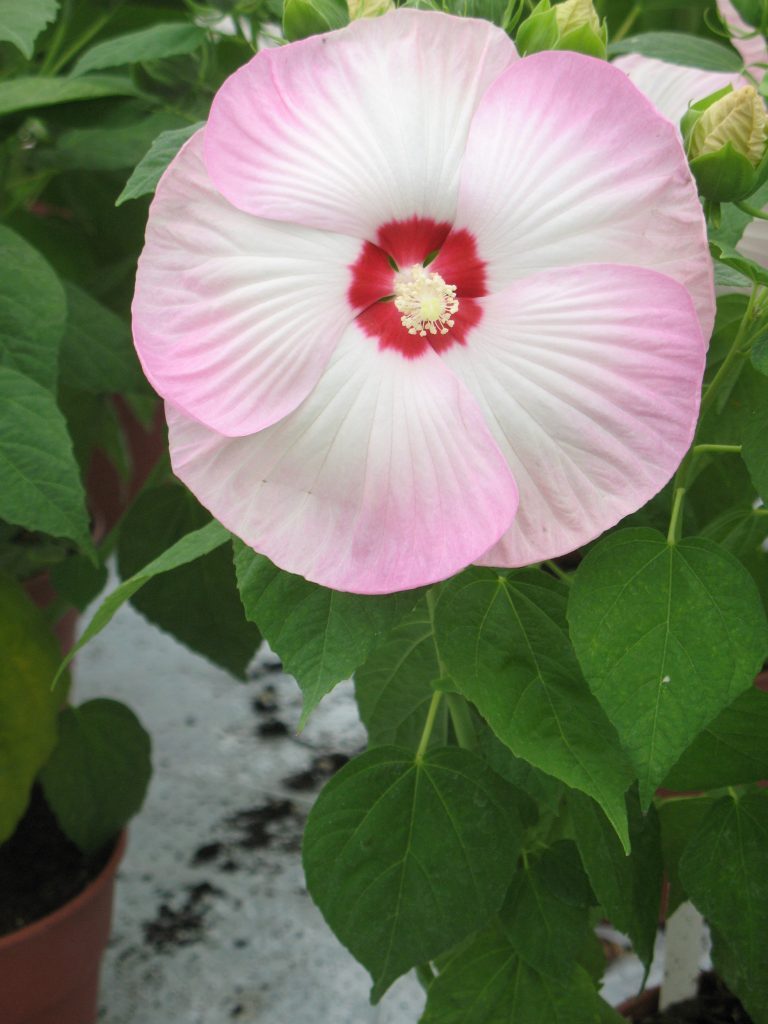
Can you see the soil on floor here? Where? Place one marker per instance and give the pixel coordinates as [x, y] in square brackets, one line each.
[713, 1005]
[40, 869]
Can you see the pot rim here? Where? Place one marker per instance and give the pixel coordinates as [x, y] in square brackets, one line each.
[71, 907]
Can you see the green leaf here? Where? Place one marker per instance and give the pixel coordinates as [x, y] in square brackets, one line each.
[720, 487]
[98, 773]
[731, 750]
[29, 654]
[27, 92]
[171, 39]
[754, 448]
[545, 931]
[729, 277]
[22, 21]
[627, 886]
[667, 637]
[680, 48]
[394, 686]
[198, 603]
[504, 642]
[739, 400]
[77, 581]
[302, 18]
[108, 148]
[752, 11]
[679, 818]
[40, 487]
[194, 545]
[33, 310]
[490, 984]
[97, 353]
[406, 858]
[150, 168]
[743, 531]
[759, 354]
[742, 265]
[723, 870]
[321, 635]
[545, 791]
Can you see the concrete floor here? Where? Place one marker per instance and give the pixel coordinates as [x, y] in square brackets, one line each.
[212, 920]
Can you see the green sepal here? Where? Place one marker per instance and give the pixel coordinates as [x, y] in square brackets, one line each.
[725, 176]
[586, 40]
[539, 31]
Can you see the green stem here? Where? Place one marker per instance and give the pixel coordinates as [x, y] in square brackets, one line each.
[627, 24]
[58, 36]
[461, 720]
[53, 67]
[752, 211]
[700, 449]
[675, 520]
[429, 725]
[555, 568]
[431, 603]
[733, 353]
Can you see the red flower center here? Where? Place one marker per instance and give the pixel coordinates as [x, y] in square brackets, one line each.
[399, 247]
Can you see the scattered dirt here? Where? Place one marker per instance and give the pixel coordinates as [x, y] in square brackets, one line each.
[321, 769]
[255, 823]
[267, 666]
[182, 925]
[272, 727]
[275, 823]
[40, 869]
[205, 854]
[265, 703]
[713, 1005]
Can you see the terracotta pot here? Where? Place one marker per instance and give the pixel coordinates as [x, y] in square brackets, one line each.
[640, 1006]
[49, 970]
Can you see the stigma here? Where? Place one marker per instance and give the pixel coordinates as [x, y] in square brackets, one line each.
[426, 302]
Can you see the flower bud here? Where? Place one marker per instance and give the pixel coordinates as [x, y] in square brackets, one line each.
[575, 14]
[726, 141]
[738, 118]
[570, 25]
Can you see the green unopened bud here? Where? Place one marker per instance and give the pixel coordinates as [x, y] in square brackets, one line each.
[576, 14]
[725, 135]
[368, 8]
[570, 25]
[738, 118]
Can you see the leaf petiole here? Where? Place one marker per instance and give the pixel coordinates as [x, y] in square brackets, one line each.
[429, 725]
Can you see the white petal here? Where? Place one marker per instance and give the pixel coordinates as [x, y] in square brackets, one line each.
[590, 380]
[568, 163]
[385, 479]
[358, 127]
[234, 317]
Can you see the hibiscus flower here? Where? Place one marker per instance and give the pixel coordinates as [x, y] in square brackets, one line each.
[414, 302]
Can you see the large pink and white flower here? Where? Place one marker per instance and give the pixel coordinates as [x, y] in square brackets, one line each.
[414, 302]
